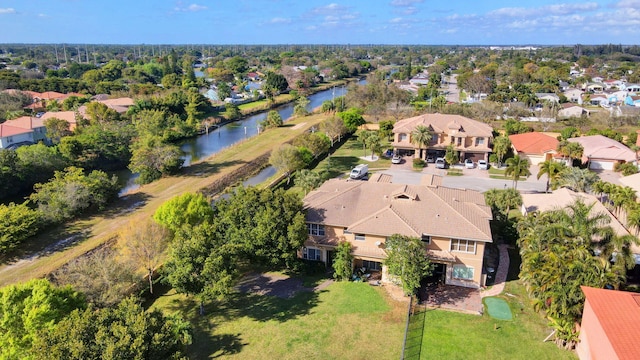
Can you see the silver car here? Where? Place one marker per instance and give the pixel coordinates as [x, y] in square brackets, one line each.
[441, 163]
[483, 165]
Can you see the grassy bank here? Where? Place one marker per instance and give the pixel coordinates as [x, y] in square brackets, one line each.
[49, 251]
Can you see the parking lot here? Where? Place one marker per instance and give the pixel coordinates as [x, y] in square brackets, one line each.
[473, 179]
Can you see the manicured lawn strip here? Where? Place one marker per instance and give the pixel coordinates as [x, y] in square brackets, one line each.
[102, 227]
[449, 335]
[344, 321]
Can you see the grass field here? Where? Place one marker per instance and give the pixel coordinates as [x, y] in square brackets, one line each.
[344, 321]
[449, 335]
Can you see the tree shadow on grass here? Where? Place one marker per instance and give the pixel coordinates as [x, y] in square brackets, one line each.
[206, 168]
[126, 204]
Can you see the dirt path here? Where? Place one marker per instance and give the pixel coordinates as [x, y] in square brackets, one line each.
[140, 204]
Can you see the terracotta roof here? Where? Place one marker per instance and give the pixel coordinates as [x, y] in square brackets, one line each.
[441, 123]
[618, 313]
[601, 147]
[51, 95]
[68, 116]
[385, 209]
[7, 130]
[25, 122]
[533, 143]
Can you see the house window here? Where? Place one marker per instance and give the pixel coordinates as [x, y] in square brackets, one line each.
[479, 141]
[315, 229]
[9, 139]
[466, 246]
[360, 237]
[459, 141]
[402, 137]
[462, 272]
[371, 265]
[312, 254]
[346, 231]
[426, 239]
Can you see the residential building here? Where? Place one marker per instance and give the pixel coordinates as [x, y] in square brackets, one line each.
[68, 116]
[537, 147]
[610, 326]
[571, 110]
[24, 130]
[574, 95]
[603, 153]
[471, 138]
[452, 223]
[550, 97]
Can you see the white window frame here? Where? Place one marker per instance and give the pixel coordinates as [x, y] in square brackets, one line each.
[466, 271]
[360, 237]
[402, 137]
[315, 229]
[460, 245]
[346, 232]
[426, 239]
[479, 141]
[317, 252]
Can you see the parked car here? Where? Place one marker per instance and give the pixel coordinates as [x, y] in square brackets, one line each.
[468, 163]
[483, 165]
[388, 153]
[396, 159]
[431, 159]
[441, 163]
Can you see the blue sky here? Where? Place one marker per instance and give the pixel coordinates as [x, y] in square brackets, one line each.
[464, 22]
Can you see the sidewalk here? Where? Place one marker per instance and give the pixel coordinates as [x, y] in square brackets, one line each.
[501, 275]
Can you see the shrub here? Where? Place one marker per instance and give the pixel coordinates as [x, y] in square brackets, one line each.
[493, 158]
[626, 169]
[418, 163]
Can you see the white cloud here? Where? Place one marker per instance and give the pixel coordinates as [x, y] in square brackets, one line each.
[401, 3]
[396, 20]
[556, 9]
[278, 20]
[329, 9]
[43, 15]
[626, 4]
[190, 8]
[7, 11]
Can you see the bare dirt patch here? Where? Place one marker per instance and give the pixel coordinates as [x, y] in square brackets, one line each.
[274, 284]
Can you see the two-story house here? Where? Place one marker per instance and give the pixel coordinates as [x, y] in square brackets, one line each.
[452, 223]
[24, 130]
[471, 138]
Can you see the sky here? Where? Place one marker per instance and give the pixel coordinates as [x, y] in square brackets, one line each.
[423, 22]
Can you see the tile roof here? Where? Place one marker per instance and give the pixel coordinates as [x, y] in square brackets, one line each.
[618, 313]
[601, 147]
[68, 116]
[25, 122]
[380, 208]
[7, 130]
[442, 123]
[534, 143]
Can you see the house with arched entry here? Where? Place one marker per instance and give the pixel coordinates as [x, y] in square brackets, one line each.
[471, 138]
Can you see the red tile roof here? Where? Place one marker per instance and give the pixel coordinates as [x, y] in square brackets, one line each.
[8, 130]
[619, 315]
[534, 143]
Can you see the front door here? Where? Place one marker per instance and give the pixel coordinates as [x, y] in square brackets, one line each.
[330, 255]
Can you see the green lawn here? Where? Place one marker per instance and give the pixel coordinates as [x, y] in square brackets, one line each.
[449, 335]
[344, 321]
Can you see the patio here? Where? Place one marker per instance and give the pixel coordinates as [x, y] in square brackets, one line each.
[450, 297]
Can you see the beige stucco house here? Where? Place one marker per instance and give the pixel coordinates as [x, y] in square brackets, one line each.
[452, 223]
[471, 138]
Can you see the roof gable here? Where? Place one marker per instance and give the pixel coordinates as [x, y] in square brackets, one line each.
[533, 143]
[444, 123]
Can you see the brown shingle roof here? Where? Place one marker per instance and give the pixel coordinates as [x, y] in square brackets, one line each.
[618, 313]
[533, 143]
[442, 123]
[386, 209]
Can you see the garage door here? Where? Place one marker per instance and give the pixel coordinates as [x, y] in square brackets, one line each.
[601, 165]
[474, 156]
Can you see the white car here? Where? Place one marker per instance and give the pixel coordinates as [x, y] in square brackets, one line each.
[441, 163]
[468, 163]
[483, 165]
[396, 159]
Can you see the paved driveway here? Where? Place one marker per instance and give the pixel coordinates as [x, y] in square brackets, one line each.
[473, 179]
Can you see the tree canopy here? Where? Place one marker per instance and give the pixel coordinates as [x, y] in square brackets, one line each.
[406, 259]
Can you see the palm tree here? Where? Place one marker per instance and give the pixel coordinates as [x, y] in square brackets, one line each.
[571, 150]
[421, 136]
[501, 146]
[580, 180]
[307, 180]
[623, 197]
[516, 167]
[552, 169]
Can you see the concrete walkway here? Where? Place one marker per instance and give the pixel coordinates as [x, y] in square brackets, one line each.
[501, 275]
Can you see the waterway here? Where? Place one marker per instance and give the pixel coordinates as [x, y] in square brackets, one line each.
[219, 138]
